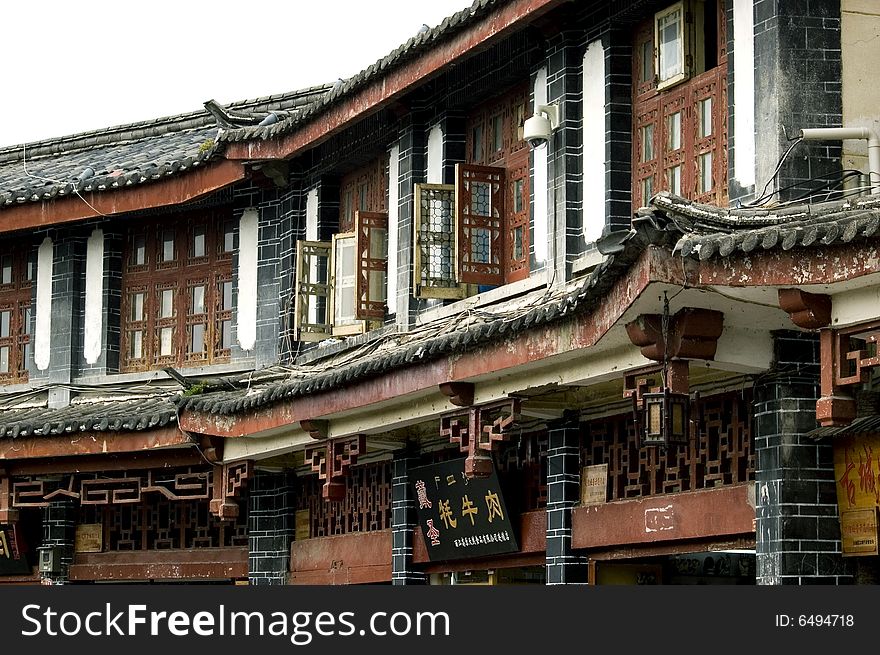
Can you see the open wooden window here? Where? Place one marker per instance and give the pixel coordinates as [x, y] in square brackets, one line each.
[680, 104]
[479, 193]
[177, 292]
[16, 281]
[435, 248]
[342, 284]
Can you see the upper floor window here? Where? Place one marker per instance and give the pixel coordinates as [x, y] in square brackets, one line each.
[342, 284]
[16, 281]
[476, 231]
[177, 291]
[679, 103]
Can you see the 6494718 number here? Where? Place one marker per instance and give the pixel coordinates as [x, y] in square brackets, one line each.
[815, 621]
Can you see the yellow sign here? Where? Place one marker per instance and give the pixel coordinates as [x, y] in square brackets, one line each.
[857, 472]
[594, 484]
[302, 522]
[858, 532]
[89, 538]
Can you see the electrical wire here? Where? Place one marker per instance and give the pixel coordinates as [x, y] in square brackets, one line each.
[765, 197]
[47, 179]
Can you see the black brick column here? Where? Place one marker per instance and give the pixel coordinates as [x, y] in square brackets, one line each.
[563, 493]
[564, 87]
[403, 523]
[59, 531]
[271, 525]
[618, 129]
[797, 530]
[798, 59]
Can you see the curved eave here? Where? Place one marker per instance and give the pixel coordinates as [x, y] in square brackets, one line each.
[178, 189]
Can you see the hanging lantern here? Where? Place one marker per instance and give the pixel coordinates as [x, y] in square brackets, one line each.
[665, 418]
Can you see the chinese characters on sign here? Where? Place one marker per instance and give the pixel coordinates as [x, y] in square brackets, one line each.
[857, 472]
[461, 517]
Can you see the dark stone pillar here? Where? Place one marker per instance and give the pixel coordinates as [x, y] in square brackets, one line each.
[59, 533]
[797, 530]
[271, 516]
[563, 493]
[403, 523]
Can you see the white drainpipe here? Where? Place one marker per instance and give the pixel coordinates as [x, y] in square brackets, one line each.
[843, 133]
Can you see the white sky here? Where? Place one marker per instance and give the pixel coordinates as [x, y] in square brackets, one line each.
[73, 66]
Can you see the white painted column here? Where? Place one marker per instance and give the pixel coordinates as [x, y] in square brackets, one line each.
[94, 312]
[593, 130]
[540, 206]
[43, 332]
[248, 237]
[435, 155]
[743, 93]
[393, 199]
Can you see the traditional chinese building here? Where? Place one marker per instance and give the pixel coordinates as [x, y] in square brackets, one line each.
[546, 295]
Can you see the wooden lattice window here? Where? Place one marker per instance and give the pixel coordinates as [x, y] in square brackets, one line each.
[495, 139]
[16, 281]
[680, 104]
[177, 292]
[342, 284]
[366, 190]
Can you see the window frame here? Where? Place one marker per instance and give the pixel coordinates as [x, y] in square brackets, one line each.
[16, 297]
[181, 276]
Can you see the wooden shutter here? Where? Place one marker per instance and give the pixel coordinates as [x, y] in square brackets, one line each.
[518, 239]
[479, 194]
[371, 252]
[312, 304]
[434, 241]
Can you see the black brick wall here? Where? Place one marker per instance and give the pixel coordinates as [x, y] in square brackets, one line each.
[797, 530]
[59, 531]
[271, 527]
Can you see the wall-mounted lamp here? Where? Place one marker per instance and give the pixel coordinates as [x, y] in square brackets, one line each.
[665, 418]
[537, 129]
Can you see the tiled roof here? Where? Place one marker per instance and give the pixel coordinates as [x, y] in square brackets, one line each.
[467, 331]
[130, 414]
[126, 155]
[413, 47]
[708, 231]
[863, 425]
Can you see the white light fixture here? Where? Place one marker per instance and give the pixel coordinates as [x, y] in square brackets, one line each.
[537, 129]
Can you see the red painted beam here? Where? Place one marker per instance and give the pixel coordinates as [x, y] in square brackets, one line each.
[91, 443]
[175, 190]
[384, 89]
[582, 331]
[710, 513]
[202, 563]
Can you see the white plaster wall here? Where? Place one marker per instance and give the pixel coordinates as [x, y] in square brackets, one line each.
[539, 158]
[744, 92]
[435, 155]
[860, 45]
[248, 237]
[393, 199]
[312, 215]
[94, 312]
[43, 332]
[594, 141]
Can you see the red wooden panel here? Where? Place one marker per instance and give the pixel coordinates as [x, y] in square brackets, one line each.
[371, 248]
[479, 192]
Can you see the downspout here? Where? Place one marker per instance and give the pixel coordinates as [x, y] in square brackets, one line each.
[844, 133]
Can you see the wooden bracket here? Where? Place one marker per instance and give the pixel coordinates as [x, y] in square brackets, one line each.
[332, 462]
[8, 515]
[693, 334]
[479, 431]
[459, 393]
[229, 482]
[317, 429]
[810, 311]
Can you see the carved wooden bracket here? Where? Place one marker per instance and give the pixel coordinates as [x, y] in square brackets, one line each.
[229, 482]
[212, 448]
[847, 357]
[459, 393]
[332, 462]
[693, 334]
[479, 431]
[317, 429]
[810, 311]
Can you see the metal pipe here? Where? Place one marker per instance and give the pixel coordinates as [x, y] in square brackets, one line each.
[843, 133]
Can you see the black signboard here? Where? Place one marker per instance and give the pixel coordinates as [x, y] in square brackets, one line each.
[461, 517]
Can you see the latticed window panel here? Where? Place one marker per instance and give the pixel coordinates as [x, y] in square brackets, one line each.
[720, 451]
[16, 280]
[518, 238]
[680, 129]
[522, 469]
[435, 242]
[172, 292]
[365, 508]
[365, 189]
[312, 304]
[371, 246]
[343, 283]
[480, 194]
